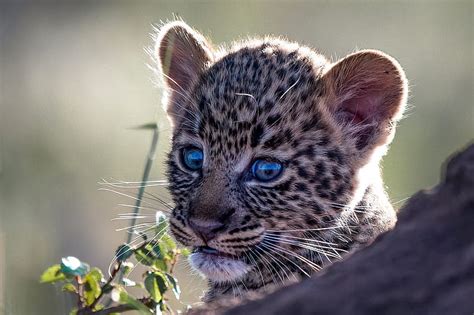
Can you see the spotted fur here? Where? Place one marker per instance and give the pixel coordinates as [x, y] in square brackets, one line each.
[329, 125]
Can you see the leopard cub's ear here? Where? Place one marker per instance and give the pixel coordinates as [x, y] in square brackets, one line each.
[366, 94]
[183, 54]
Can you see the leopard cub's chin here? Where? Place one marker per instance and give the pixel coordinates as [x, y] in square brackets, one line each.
[218, 268]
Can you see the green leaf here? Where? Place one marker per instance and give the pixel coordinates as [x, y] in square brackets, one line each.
[164, 308]
[127, 267]
[73, 311]
[158, 252]
[52, 274]
[168, 242]
[151, 255]
[144, 256]
[174, 284]
[123, 252]
[92, 287]
[168, 247]
[96, 274]
[152, 287]
[124, 298]
[99, 307]
[69, 287]
[160, 265]
[185, 252]
[154, 250]
[74, 267]
[161, 225]
[156, 284]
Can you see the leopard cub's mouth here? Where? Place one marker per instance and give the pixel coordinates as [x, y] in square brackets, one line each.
[216, 265]
[210, 251]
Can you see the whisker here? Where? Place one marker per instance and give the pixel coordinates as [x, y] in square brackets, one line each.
[153, 247]
[120, 253]
[357, 209]
[154, 197]
[313, 229]
[311, 248]
[146, 195]
[104, 181]
[254, 262]
[247, 94]
[401, 200]
[123, 184]
[292, 86]
[142, 232]
[140, 207]
[280, 265]
[269, 247]
[301, 238]
[298, 256]
[134, 227]
[267, 263]
[125, 195]
[309, 245]
[128, 216]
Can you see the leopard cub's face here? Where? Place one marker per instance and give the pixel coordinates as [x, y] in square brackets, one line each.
[269, 144]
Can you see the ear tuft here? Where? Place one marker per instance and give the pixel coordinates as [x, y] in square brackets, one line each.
[183, 54]
[367, 94]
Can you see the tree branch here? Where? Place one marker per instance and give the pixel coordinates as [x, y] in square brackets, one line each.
[425, 265]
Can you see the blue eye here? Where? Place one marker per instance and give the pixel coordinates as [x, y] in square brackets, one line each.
[265, 171]
[193, 158]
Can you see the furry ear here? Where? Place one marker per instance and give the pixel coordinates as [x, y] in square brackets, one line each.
[366, 94]
[183, 54]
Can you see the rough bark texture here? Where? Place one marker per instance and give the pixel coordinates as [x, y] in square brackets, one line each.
[425, 265]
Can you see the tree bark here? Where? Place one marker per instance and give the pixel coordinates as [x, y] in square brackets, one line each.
[425, 265]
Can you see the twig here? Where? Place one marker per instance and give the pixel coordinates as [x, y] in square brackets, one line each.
[109, 281]
[80, 292]
[113, 309]
[141, 191]
[116, 309]
[146, 174]
[173, 262]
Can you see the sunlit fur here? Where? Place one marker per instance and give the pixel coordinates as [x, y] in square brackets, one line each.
[275, 99]
[219, 269]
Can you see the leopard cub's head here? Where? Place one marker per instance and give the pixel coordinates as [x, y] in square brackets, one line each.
[269, 137]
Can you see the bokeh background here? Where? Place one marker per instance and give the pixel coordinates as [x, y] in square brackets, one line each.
[74, 82]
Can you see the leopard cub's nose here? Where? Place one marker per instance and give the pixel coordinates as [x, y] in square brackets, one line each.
[206, 229]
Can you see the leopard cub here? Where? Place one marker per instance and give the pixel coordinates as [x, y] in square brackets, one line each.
[274, 167]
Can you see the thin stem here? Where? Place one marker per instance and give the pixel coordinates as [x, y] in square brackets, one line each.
[116, 309]
[80, 292]
[173, 262]
[146, 174]
[109, 281]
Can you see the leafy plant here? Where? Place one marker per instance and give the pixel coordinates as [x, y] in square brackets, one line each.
[90, 287]
[98, 295]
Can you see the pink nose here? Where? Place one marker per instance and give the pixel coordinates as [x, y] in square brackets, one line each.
[205, 229]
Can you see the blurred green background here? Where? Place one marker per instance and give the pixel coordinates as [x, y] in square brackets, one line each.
[74, 80]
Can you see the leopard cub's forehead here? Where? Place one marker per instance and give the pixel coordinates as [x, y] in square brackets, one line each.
[264, 71]
[256, 88]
